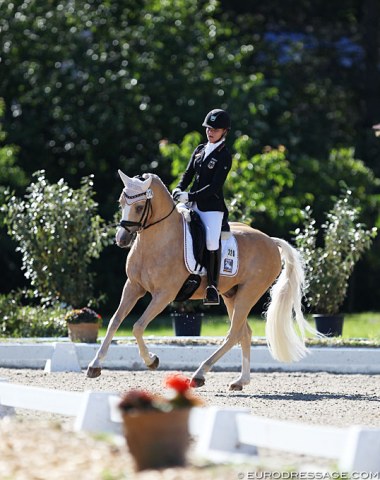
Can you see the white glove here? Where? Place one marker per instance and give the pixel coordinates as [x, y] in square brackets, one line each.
[175, 193]
[183, 197]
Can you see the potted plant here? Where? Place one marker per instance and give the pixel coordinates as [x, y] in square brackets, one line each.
[83, 325]
[187, 318]
[329, 266]
[156, 426]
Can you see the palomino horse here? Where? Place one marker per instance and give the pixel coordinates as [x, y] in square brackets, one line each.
[155, 264]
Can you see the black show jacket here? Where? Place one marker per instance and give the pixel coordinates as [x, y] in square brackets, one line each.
[209, 175]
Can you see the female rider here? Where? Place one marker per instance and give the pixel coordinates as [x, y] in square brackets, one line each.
[209, 166]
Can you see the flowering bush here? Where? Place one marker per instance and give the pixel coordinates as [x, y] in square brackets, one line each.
[181, 397]
[82, 315]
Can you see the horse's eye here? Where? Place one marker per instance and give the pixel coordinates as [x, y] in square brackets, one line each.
[139, 208]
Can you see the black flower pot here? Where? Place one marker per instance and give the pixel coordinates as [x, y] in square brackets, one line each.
[187, 324]
[329, 325]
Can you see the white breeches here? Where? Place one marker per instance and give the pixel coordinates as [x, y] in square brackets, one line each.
[213, 225]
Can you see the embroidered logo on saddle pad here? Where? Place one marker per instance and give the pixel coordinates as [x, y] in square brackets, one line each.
[230, 260]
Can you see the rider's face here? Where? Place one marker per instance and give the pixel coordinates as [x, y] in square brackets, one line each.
[214, 134]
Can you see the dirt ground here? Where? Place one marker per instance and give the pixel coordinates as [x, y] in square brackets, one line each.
[37, 445]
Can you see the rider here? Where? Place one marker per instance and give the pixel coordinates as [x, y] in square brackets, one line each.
[209, 166]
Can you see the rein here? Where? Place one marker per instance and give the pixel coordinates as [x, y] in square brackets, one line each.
[141, 224]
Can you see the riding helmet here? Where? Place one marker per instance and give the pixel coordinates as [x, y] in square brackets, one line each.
[217, 118]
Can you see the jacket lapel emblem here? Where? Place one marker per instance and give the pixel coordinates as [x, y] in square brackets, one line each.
[212, 162]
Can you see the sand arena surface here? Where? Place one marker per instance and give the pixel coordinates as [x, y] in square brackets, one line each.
[38, 445]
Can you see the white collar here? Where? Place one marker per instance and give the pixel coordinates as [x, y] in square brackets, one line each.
[210, 147]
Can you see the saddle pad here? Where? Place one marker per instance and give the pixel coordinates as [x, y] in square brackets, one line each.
[230, 260]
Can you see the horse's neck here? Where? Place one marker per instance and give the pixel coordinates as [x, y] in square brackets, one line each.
[165, 230]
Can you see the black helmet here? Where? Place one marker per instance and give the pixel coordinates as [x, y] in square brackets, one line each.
[217, 118]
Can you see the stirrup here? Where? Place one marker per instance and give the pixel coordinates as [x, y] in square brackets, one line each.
[212, 296]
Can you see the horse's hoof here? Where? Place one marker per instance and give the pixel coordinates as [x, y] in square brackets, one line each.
[197, 382]
[154, 364]
[236, 387]
[94, 372]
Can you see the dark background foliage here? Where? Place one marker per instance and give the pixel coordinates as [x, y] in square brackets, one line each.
[92, 86]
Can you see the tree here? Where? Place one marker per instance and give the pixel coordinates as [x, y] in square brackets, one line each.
[98, 85]
[12, 176]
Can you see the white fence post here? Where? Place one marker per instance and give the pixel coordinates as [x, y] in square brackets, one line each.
[5, 411]
[63, 359]
[362, 450]
[219, 437]
[94, 414]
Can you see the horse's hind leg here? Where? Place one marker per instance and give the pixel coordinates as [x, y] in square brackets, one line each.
[245, 376]
[245, 343]
[238, 313]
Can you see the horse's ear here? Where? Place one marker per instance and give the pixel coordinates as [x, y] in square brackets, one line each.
[125, 179]
[146, 184]
[135, 183]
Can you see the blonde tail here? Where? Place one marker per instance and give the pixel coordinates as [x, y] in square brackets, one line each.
[284, 343]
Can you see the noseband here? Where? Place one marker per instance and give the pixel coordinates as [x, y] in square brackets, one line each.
[141, 224]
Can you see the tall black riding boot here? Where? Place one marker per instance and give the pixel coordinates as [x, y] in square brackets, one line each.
[212, 295]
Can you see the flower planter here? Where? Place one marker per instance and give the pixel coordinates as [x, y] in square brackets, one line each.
[83, 332]
[187, 324]
[329, 325]
[157, 439]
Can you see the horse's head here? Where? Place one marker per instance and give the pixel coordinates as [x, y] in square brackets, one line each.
[135, 206]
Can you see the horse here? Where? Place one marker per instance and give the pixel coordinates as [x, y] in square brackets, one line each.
[152, 227]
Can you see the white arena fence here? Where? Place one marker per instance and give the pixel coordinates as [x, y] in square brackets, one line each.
[221, 434]
[67, 356]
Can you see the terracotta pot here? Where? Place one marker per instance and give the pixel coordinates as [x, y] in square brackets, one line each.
[157, 439]
[83, 332]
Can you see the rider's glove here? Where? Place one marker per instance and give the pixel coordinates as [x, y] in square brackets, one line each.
[182, 197]
[175, 193]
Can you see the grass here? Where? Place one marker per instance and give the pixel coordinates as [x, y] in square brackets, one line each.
[356, 325]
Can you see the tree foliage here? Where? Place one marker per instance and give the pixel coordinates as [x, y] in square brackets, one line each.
[91, 86]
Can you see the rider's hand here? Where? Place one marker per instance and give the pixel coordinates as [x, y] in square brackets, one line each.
[182, 197]
[175, 193]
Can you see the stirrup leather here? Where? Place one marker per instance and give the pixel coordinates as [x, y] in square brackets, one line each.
[212, 296]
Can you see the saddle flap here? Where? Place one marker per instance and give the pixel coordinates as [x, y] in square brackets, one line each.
[229, 265]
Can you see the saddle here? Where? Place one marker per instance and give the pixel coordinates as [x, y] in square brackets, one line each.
[196, 252]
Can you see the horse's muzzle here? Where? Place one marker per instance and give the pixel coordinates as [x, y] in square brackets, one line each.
[124, 238]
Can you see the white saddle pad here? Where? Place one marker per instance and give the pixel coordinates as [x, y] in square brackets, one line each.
[230, 260]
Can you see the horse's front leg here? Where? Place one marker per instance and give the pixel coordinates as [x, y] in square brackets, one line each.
[158, 303]
[131, 293]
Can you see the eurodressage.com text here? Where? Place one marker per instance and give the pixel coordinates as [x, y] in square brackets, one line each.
[309, 476]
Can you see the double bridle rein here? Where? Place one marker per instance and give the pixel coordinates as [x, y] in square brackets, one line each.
[141, 224]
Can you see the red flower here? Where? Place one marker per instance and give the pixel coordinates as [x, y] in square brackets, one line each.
[177, 382]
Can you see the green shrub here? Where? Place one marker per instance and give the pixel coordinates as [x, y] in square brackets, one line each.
[18, 320]
[58, 233]
[329, 267]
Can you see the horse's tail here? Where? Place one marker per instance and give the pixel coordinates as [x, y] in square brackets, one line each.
[284, 343]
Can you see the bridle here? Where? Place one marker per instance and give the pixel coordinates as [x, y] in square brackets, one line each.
[142, 223]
